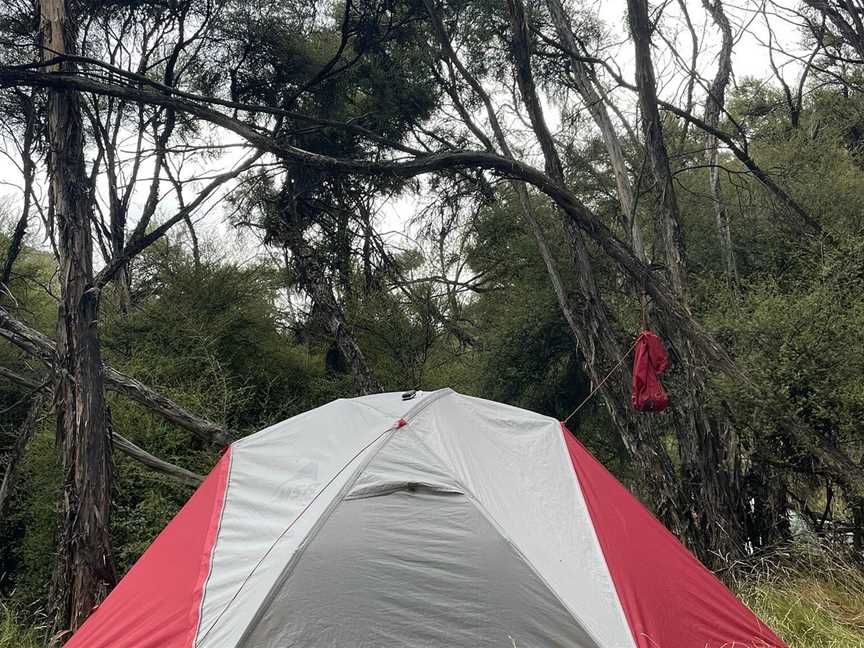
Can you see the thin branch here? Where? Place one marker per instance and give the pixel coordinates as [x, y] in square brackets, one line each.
[25, 433]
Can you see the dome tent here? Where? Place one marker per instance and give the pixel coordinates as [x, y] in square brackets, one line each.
[440, 521]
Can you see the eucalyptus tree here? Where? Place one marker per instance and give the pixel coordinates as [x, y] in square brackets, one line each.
[86, 573]
[362, 65]
[336, 107]
[708, 452]
[373, 161]
[483, 57]
[594, 323]
[84, 569]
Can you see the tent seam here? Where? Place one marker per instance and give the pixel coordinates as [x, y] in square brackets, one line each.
[197, 628]
[497, 526]
[419, 406]
[288, 569]
[563, 429]
[468, 405]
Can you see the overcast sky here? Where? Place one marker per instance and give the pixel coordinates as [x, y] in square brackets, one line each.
[750, 59]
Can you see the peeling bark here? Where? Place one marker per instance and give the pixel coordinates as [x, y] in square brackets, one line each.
[585, 84]
[668, 222]
[711, 482]
[84, 570]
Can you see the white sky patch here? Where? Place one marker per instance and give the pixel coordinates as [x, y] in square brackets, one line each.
[750, 59]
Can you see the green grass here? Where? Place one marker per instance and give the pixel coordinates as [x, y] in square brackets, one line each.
[812, 598]
[14, 634]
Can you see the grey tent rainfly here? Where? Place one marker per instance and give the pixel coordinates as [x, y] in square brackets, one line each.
[437, 520]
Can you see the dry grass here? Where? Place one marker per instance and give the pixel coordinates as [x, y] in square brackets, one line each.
[812, 597]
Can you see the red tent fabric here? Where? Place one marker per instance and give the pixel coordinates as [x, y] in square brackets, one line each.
[157, 603]
[314, 532]
[670, 599]
[649, 362]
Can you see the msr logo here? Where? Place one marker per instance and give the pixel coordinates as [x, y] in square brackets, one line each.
[301, 480]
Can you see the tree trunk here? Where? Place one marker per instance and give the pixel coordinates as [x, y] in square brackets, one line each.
[312, 277]
[849, 25]
[29, 171]
[84, 570]
[596, 106]
[589, 323]
[768, 521]
[714, 104]
[667, 225]
[711, 482]
[314, 282]
[45, 389]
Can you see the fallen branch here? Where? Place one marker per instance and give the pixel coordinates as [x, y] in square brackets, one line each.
[42, 394]
[41, 346]
[151, 461]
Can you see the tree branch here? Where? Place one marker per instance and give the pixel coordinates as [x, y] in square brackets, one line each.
[155, 463]
[25, 434]
[412, 167]
[737, 150]
[39, 345]
[42, 394]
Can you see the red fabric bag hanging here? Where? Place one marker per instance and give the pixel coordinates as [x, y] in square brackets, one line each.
[649, 362]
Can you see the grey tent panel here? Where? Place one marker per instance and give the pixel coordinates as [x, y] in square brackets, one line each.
[413, 568]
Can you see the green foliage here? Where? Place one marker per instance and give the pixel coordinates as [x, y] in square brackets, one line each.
[213, 332]
[238, 345]
[211, 337]
[802, 349]
[32, 523]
